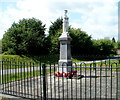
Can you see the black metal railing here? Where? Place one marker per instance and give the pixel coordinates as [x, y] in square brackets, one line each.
[91, 79]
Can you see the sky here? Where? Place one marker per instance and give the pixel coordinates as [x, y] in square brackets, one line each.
[98, 18]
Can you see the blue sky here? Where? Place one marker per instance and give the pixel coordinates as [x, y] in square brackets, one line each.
[99, 18]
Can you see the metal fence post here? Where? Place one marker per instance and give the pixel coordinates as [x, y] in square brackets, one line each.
[1, 75]
[44, 81]
[94, 65]
[2, 81]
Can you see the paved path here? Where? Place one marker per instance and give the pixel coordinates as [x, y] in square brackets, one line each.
[102, 86]
[98, 84]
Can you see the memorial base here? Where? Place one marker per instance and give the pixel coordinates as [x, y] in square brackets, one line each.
[65, 66]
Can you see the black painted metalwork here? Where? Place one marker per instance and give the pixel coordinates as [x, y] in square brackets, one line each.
[38, 81]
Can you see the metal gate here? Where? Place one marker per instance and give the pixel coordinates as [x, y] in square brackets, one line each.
[101, 79]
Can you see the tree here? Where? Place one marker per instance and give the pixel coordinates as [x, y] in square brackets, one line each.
[81, 43]
[27, 37]
[118, 44]
[113, 39]
[104, 46]
[55, 27]
[55, 30]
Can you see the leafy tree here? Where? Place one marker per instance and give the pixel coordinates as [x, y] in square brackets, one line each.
[104, 46]
[27, 37]
[113, 39]
[55, 27]
[55, 31]
[118, 44]
[81, 43]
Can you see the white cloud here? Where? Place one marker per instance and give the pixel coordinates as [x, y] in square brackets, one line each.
[100, 21]
[97, 17]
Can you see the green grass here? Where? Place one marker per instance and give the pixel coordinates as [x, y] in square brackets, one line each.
[19, 62]
[23, 75]
[15, 61]
[101, 64]
[15, 58]
[114, 64]
[76, 60]
[22, 62]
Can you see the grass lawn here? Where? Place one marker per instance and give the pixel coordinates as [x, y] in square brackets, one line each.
[21, 62]
[23, 75]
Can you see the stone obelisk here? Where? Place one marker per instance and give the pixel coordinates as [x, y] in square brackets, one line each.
[65, 62]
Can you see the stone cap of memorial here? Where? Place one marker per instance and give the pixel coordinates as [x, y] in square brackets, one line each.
[65, 37]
